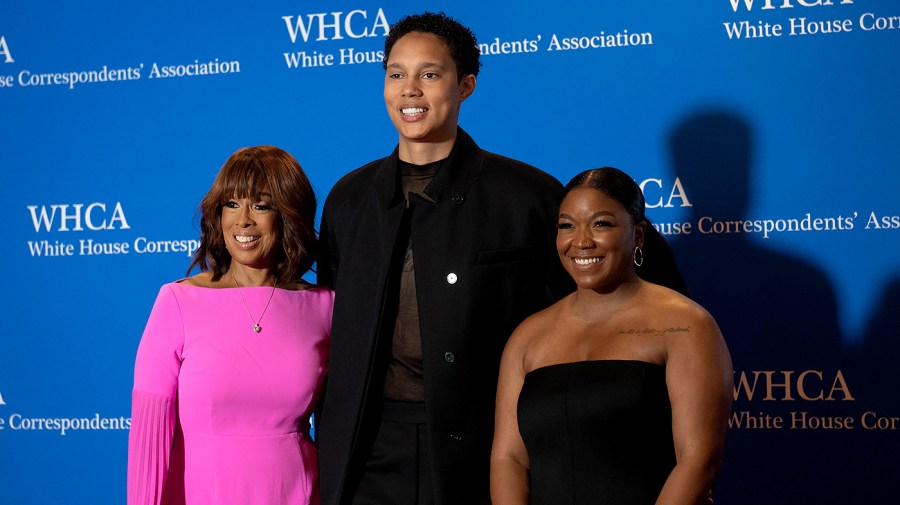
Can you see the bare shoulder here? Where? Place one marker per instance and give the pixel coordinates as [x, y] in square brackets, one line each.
[534, 327]
[679, 314]
[673, 303]
[201, 280]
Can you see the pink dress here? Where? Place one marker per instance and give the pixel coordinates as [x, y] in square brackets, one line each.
[220, 414]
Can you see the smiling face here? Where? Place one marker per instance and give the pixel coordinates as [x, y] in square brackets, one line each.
[251, 232]
[422, 91]
[596, 239]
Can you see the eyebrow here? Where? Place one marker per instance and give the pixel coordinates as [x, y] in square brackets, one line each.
[592, 216]
[423, 66]
[264, 194]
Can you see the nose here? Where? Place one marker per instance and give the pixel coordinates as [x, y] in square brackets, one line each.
[244, 219]
[582, 238]
[411, 88]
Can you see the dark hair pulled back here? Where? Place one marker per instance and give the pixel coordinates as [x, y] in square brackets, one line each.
[659, 263]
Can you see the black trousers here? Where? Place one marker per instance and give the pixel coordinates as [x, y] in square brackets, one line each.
[397, 471]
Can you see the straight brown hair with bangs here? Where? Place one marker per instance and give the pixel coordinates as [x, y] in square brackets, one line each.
[248, 173]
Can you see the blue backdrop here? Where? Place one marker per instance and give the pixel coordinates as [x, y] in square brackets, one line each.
[764, 133]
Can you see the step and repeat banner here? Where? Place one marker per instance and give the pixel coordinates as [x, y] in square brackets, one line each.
[764, 134]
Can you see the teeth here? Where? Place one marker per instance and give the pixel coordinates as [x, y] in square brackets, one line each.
[586, 261]
[413, 110]
[245, 238]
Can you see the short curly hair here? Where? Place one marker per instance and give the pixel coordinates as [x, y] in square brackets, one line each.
[459, 40]
[247, 173]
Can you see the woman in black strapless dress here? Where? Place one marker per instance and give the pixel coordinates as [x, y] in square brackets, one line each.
[619, 393]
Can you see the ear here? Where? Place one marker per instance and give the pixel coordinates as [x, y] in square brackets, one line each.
[639, 230]
[466, 87]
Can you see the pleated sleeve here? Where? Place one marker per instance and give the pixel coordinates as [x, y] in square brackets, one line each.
[156, 370]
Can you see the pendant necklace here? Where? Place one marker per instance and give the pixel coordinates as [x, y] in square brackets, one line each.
[256, 326]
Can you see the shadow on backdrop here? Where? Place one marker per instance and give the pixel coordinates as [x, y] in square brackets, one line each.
[876, 386]
[881, 346]
[776, 311]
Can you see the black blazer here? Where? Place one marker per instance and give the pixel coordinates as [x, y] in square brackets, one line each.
[485, 259]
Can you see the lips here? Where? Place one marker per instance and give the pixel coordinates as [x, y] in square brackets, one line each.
[412, 113]
[246, 239]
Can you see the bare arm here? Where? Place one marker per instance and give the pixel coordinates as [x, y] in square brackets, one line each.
[509, 459]
[699, 381]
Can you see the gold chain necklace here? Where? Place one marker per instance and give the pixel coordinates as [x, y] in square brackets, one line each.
[256, 326]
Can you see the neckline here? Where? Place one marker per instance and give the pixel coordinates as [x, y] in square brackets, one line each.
[180, 282]
[598, 362]
[408, 169]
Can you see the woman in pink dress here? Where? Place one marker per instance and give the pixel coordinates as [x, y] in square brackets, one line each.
[232, 360]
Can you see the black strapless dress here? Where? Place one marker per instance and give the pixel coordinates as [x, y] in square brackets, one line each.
[597, 432]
